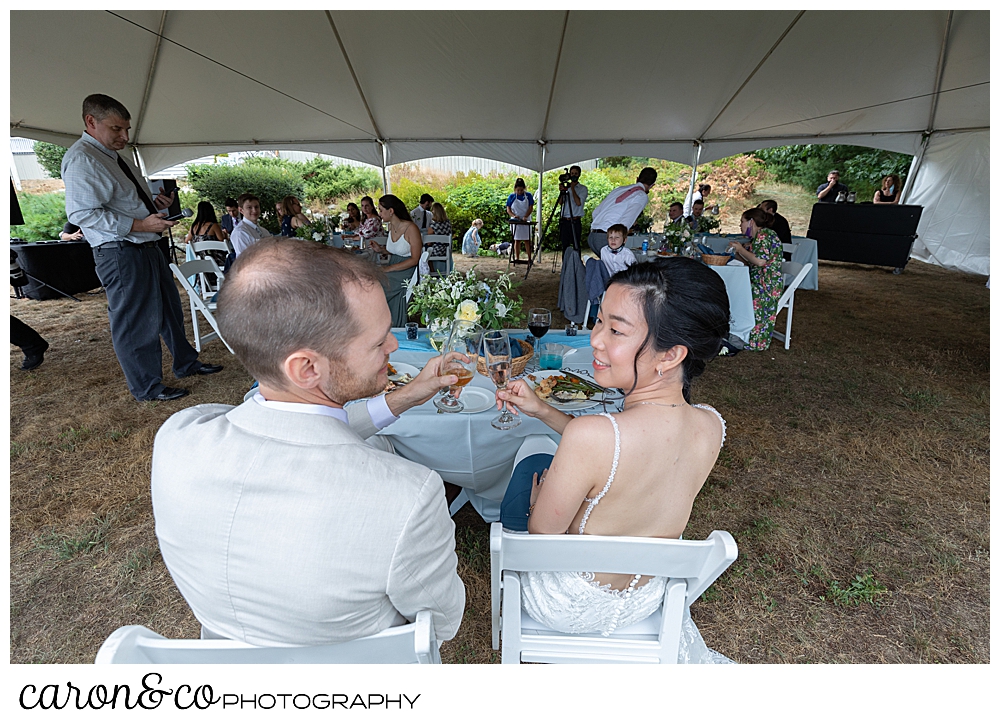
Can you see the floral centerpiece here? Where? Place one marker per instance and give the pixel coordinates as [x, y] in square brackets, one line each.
[675, 236]
[490, 302]
[707, 224]
[315, 230]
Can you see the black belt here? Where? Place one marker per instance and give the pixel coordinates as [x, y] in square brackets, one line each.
[122, 244]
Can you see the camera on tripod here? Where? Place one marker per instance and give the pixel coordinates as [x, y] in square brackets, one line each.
[17, 276]
[565, 179]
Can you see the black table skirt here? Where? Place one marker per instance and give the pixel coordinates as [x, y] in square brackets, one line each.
[66, 265]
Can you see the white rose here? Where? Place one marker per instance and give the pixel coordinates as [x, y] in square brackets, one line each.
[468, 311]
[501, 310]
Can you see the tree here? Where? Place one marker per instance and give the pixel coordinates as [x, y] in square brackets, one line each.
[861, 168]
[44, 217]
[50, 157]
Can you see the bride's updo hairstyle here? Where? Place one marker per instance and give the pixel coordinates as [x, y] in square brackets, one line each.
[684, 303]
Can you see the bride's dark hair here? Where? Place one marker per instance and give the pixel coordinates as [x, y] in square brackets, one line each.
[684, 303]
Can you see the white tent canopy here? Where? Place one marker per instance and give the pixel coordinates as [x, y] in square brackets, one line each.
[535, 89]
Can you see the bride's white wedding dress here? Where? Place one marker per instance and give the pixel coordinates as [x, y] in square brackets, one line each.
[575, 603]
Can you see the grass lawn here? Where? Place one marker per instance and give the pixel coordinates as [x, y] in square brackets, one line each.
[855, 479]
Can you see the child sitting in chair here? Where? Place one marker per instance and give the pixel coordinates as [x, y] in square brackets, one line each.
[615, 255]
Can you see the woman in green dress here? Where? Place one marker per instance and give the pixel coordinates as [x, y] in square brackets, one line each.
[404, 246]
[763, 253]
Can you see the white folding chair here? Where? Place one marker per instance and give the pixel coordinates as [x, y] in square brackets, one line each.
[200, 250]
[691, 566]
[410, 644]
[793, 273]
[198, 304]
[443, 258]
[586, 314]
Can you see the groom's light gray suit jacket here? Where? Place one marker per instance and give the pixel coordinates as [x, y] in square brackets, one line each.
[284, 527]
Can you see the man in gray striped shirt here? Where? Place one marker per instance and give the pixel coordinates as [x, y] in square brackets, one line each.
[105, 198]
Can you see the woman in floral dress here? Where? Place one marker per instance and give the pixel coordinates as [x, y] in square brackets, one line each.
[763, 254]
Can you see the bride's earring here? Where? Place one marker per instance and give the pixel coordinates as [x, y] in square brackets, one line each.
[659, 372]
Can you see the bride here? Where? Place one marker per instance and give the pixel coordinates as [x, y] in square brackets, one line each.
[635, 473]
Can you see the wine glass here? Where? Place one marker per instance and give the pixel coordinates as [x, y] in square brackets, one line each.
[496, 350]
[464, 338]
[539, 321]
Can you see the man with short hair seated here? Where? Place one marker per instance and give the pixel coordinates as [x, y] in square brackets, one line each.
[278, 520]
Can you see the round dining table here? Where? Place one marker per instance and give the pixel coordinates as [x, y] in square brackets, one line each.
[465, 449]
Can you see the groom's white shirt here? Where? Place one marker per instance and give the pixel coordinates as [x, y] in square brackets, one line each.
[284, 527]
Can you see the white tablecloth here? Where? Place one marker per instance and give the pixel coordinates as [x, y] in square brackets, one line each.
[466, 449]
[803, 250]
[737, 279]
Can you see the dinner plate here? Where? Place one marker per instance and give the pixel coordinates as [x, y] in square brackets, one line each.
[476, 399]
[402, 369]
[565, 406]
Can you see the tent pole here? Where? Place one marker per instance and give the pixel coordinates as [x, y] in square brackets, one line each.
[914, 167]
[385, 175]
[695, 156]
[538, 206]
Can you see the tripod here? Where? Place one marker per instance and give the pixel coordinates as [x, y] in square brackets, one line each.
[563, 204]
[18, 294]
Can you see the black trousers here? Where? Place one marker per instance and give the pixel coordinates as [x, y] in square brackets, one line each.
[567, 229]
[143, 305]
[23, 336]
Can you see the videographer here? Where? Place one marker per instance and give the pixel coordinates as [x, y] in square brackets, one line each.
[572, 197]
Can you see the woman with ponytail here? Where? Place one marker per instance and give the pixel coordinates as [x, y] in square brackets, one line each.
[763, 252]
[658, 325]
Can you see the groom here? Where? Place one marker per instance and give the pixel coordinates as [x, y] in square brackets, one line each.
[279, 520]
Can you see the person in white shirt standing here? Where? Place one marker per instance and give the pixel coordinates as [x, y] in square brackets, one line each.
[616, 256]
[421, 214]
[248, 231]
[621, 206]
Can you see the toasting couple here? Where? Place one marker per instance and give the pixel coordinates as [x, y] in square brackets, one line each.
[286, 520]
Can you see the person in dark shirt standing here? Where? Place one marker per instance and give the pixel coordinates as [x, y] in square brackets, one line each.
[827, 193]
[780, 224]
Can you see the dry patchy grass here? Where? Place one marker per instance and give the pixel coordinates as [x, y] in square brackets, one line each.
[855, 480]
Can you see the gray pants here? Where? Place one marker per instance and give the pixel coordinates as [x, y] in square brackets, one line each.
[143, 305]
[597, 240]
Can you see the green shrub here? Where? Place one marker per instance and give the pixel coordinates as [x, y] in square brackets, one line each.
[44, 216]
[50, 157]
[269, 181]
[325, 182]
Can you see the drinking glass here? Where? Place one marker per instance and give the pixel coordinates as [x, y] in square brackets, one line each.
[539, 321]
[496, 350]
[464, 338]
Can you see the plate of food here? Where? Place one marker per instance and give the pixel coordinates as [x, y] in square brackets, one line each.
[400, 374]
[565, 392]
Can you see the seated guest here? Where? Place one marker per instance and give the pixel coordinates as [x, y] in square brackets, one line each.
[675, 214]
[472, 241]
[697, 214]
[404, 245]
[827, 193]
[890, 191]
[71, 232]
[699, 195]
[291, 216]
[206, 228]
[440, 226]
[421, 214]
[232, 216]
[248, 232]
[353, 221]
[371, 226]
[616, 256]
[659, 324]
[278, 521]
[779, 224]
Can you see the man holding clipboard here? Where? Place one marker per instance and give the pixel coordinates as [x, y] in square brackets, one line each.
[124, 226]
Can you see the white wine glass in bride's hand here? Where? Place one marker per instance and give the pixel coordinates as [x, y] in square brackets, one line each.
[465, 338]
[496, 350]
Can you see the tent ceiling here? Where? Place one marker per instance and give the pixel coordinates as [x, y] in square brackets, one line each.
[495, 84]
